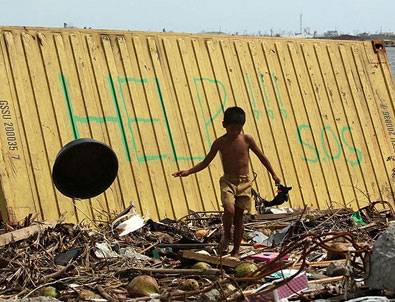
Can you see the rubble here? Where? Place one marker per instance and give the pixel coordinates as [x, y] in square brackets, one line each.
[382, 261]
[292, 254]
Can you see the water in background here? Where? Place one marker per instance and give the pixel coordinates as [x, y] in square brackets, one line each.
[391, 58]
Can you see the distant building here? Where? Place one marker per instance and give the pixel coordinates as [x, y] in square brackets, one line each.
[331, 33]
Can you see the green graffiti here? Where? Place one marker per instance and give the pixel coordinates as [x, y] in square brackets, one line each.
[119, 117]
[283, 111]
[75, 119]
[208, 122]
[125, 127]
[159, 92]
[316, 155]
[266, 99]
[325, 131]
[255, 110]
[357, 152]
[122, 81]
[69, 106]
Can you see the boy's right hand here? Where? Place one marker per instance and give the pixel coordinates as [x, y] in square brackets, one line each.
[276, 179]
[182, 173]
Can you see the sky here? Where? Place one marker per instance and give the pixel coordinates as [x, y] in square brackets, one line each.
[194, 16]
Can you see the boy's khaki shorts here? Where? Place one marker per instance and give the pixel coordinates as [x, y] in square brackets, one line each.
[236, 190]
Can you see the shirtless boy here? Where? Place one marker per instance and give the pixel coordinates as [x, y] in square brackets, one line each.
[236, 183]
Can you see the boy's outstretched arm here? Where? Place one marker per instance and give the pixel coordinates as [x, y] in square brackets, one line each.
[203, 164]
[262, 158]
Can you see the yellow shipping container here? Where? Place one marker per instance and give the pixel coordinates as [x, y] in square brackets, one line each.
[322, 111]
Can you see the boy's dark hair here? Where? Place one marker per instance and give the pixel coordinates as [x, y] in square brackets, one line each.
[234, 115]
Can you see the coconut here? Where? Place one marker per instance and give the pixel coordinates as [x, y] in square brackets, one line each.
[86, 294]
[189, 284]
[201, 233]
[244, 269]
[201, 265]
[142, 286]
[49, 291]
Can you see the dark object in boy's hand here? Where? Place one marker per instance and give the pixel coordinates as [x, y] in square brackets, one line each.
[281, 197]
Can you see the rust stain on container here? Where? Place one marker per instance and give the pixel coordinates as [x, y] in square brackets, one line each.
[322, 111]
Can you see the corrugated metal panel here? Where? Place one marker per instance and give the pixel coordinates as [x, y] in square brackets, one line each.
[322, 111]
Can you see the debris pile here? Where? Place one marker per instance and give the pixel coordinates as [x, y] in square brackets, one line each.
[285, 254]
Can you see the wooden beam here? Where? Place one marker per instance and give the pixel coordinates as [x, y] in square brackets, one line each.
[230, 262]
[21, 234]
[327, 280]
[170, 271]
[324, 263]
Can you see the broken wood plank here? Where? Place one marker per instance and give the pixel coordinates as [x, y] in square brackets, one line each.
[171, 271]
[210, 259]
[327, 280]
[193, 245]
[296, 214]
[187, 245]
[21, 234]
[321, 263]
[260, 217]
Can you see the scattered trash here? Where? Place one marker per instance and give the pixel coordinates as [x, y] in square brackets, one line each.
[282, 274]
[302, 254]
[370, 299]
[267, 256]
[357, 218]
[258, 237]
[68, 256]
[211, 296]
[104, 250]
[278, 237]
[131, 253]
[280, 210]
[132, 223]
[291, 288]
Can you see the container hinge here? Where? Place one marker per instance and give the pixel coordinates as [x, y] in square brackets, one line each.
[378, 46]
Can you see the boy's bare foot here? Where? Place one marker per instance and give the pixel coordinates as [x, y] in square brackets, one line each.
[235, 254]
[224, 246]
